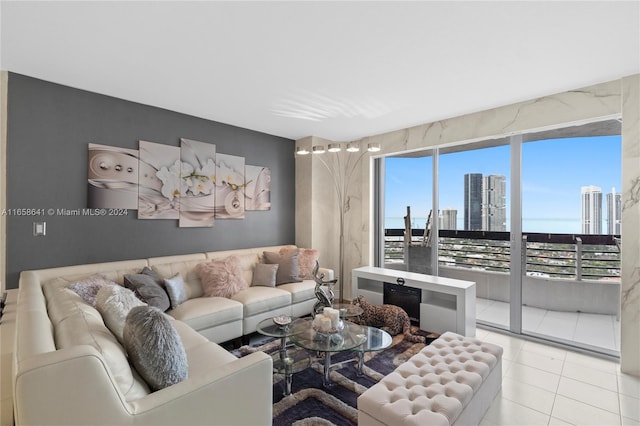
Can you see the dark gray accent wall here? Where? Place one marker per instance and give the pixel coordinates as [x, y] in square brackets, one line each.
[48, 131]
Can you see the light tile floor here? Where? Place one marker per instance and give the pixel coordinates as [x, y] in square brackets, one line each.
[591, 331]
[547, 385]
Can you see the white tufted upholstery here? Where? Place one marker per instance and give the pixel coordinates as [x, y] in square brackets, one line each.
[435, 385]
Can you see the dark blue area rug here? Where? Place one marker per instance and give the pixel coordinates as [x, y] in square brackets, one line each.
[312, 404]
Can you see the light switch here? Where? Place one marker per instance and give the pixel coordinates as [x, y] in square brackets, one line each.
[39, 229]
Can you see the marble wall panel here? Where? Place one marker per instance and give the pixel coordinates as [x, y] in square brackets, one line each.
[630, 292]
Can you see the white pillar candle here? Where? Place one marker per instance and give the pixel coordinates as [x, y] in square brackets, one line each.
[334, 315]
[325, 323]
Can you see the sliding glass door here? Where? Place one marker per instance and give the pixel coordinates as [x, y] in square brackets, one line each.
[533, 219]
[570, 222]
[474, 242]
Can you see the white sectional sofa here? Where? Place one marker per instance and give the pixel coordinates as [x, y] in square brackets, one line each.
[69, 368]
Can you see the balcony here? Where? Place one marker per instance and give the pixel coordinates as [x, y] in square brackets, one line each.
[571, 283]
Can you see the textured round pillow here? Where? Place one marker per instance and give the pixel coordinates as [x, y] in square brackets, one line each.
[154, 347]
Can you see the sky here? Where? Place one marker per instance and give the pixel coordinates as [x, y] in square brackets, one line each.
[553, 172]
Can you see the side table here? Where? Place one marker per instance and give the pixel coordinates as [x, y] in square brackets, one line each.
[347, 310]
[285, 361]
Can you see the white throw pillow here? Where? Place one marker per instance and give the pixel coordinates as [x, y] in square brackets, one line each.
[114, 303]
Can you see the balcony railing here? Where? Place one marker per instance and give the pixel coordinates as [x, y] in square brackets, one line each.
[570, 256]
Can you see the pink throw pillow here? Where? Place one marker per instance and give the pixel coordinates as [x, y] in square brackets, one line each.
[306, 260]
[223, 278]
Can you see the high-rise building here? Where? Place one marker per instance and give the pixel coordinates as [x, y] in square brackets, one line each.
[591, 210]
[473, 202]
[614, 203]
[494, 208]
[449, 219]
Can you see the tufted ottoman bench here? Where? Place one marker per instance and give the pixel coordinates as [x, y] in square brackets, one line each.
[452, 381]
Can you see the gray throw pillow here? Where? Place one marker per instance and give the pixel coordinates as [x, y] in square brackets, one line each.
[288, 268]
[149, 286]
[176, 289]
[265, 275]
[154, 347]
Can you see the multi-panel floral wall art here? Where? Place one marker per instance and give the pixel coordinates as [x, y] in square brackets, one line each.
[191, 183]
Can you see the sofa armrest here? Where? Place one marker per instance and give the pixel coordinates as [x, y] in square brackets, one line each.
[73, 386]
[236, 393]
[70, 386]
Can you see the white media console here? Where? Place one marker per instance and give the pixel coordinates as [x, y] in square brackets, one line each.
[446, 304]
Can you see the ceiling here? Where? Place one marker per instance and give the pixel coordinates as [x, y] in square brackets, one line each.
[337, 70]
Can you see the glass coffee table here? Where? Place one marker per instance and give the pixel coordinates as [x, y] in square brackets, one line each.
[304, 336]
[376, 340]
[289, 359]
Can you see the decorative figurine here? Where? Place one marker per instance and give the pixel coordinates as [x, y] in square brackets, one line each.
[323, 291]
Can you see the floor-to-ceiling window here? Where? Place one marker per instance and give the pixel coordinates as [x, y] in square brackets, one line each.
[408, 203]
[564, 285]
[474, 187]
[571, 184]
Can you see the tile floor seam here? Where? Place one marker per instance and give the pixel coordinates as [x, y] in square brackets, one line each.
[591, 405]
[530, 384]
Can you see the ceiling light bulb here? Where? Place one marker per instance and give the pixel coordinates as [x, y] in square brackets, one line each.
[373, 147]
[318, 149]
[352, 147]
[300, 150]
[334, 147]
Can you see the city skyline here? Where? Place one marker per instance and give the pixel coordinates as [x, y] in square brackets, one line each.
[591, 218]
[553, 173]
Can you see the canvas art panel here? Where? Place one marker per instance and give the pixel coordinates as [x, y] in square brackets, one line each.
[197, 177]
[257, 191]
[112, 177]
[229, 187]
[158, 181]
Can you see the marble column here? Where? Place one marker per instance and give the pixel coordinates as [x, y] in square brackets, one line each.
[630, 292]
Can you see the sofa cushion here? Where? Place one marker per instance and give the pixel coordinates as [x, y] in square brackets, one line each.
[63, 302]
[187, 269]
[301, 291]
[306, 260]
[154, 347]
[114, 303]
[81, 327]
[149, 287]
[288, 268]
[221, 278]
[265, 275]
[205, 312]
[88, 288]
[176, 289]
[256, 300]
[206, 356]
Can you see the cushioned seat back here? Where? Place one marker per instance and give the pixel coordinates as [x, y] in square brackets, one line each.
[249, 257]
[77, 323]
[248, 261]
[111, 270]
[34, 331]
[169, 266]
